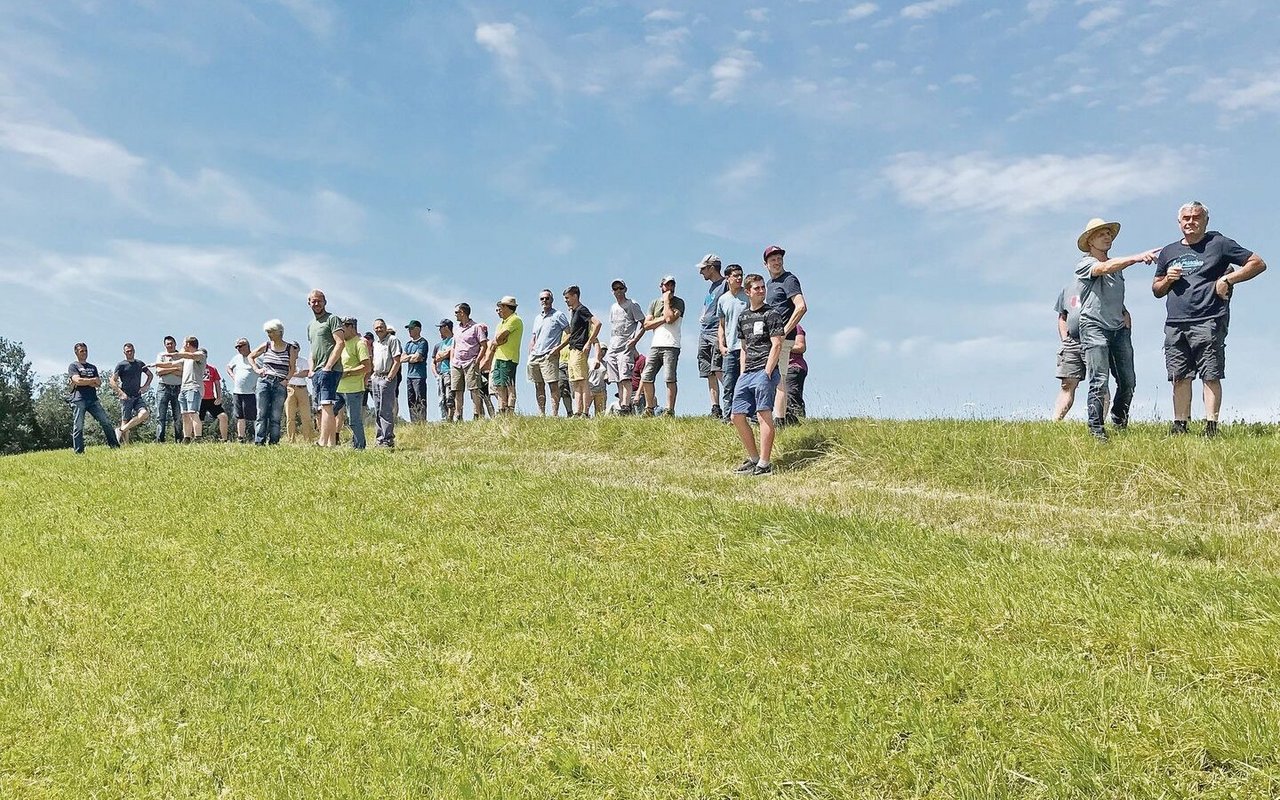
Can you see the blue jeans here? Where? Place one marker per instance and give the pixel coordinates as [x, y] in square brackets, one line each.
[355, 417]
[94, 409]
[169, 410]
[270, 410]
[1106, 353]
[729, 379]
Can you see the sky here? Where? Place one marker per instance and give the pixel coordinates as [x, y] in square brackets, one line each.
[188, 167]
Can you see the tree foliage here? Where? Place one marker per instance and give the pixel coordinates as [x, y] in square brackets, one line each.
[19, 430]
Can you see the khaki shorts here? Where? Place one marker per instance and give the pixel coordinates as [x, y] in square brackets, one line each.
[468, 376]
[784, 360]
[578, 365]
[543, 369]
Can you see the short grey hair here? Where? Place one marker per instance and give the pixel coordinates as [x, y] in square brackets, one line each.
[273, 325]
[1194, 205]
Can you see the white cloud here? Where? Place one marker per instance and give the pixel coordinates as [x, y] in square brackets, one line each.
[743, 174]
[860, 11]
[928, 8]
[78, 155]
[664, 15]
[498, 38]
[757, 14]
[982, 182]
[1038, 10]
[846, 341]
[522, 58]
[1243, 93]
[1099, 17]
[730, 72]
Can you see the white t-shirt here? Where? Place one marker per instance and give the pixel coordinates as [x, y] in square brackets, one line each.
[303, 364]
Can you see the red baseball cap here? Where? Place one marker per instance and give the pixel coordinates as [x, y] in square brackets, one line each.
[771, 249]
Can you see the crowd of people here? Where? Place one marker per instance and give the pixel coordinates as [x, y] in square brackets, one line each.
[1196, 276]
[750, 352]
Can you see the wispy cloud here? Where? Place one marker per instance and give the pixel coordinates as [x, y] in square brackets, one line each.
[317, 16]
[730, 73]
[1100, 16]
[860, 11]
[744, 173]
[664, 15]
[521, 57]
[1243, 92]
[928, 8]
[78, 155]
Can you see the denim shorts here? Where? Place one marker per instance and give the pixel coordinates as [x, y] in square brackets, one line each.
[189, 400]
[755, 392]
[325, 382]
[130, 407]
[658, 356]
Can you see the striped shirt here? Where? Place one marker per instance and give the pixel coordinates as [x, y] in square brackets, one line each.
[276, 362]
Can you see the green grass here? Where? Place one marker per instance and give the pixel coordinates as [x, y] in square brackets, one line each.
[537, 608]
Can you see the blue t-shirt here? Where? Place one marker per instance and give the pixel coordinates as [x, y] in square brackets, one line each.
[709, 322]
[129, 374]
[729, 308]
[83, 394]
[547, 330]
[779, 294]
[443, 366]
[419, 346]
[1192, 298]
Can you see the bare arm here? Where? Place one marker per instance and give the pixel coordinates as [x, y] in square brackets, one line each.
[594, 331]
[1113, 265]
[720, 337]
[115, 384]
[293, 364]
[1062, 326]
[775, 351]
[147, 383]
[801, 307]
[800, 344]
[339, 342]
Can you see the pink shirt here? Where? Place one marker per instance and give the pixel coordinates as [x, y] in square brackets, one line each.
[466, 343]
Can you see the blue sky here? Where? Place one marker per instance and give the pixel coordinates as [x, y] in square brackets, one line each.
[197, 167]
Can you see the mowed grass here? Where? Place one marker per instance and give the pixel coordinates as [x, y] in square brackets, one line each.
[553, 608]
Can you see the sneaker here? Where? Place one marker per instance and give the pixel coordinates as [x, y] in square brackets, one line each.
[119, 436]
[1177, 427]
[762, 469]
[746, 467]
[1210, 429]
[1120, 424]
[648, 412]
[1101, 436]
[716, 412]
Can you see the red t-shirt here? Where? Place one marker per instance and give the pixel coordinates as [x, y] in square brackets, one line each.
[211, 377]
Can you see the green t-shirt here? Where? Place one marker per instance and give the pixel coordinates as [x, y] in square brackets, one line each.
[510, 349]
[320, 336]
[353, 352]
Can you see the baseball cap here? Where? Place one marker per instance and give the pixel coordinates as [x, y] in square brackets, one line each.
[709, 260]
[413, 323]
[445, 323]
[349, 321]
[242, 341]
[771, 249]
[618, 283]
[669, 279]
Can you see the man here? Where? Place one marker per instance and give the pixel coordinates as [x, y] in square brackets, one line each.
[387, 357]
[297, 401]
[1107, 342]
[470, 339]
[170, 373]
[211, 404]
[728, 309]
[1071, 355]
[626, 326]
[583, 330]
[544, 368]
[356, 364]
[84, 381]
[244, 389]
[194, 361]
[783, 294]
[126, 379]
[326, 336]
[760, 336]
[1196, 274]
[504, 354]
[710, 359]
[415, 357]
[440, 367]
[664, 318]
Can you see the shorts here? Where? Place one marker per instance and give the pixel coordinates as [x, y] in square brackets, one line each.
[618, 364]
[577, 366]
[211, 408]
[657, 357]
[245, 406]
[755, 392]
[189, 401]
[325, 382]
[130, 407]
[784, 360]
[543, 369]
[1196, 349]
[468, 376]
[504, 372]
[1071, 360]
[710, 360]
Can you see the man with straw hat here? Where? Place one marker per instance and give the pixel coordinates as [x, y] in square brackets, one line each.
[1107, 341]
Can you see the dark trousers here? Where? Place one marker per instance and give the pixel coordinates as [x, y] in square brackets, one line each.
[729, 380]
[417, 399]
[795, 393]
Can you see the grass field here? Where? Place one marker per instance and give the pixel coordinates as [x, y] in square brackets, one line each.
[553, 608]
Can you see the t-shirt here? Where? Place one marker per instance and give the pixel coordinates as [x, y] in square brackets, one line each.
[668, 334]
[466, 343]
[384, 353]
[755, 331]
[579, 327]
[510, 349]
[795, 361]
[193, 371]
[173, 378]
[1193, 298]
[129, 375]
[320, 335]
[547, 327]
[1101, 297]
[708, 322]
[443, 366]
[421, 347]
[210, 382]
[728, 308]
[243, 379]
[83, 369]
[624, 320]
[779, 294]
[596, 378]
[300, 364]
[1069, 301]
[354, 352]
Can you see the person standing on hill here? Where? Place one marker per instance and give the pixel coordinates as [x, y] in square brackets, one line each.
[211, 404]
[417, 353]
[297, 400]
[440, 367]
[544, 346]
[126, 379]
[194, 361]
[664, 319]
[84, 382]
[244, 390]
[504, 354]
[626, 326]
[730, 306]
[356, 363]
[760, 334]
[327, 338]
[1197, 275]
[1071, 355]
[170, 373]
[1106, 339]
[470, 338]
[710, 359]
[583, 330]
[387, 357]
[784, 295]
[275, 361]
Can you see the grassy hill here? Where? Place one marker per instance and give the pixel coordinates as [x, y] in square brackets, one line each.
[535, 608]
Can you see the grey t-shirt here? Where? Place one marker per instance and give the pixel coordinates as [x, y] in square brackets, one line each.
[193, 372]
[624, 320]
[1069, 301]
[1101, 298]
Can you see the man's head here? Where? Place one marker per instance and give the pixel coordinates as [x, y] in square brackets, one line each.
[350, 328]
[128, 351]
[170, 344]
[191, 344]
[415, 328]
[506, 306]
[572, 296]
[81, 350]
[546, 299]
[462, 312]
[709, 267]
[242, 346]
[734, 276]
[446, 328]
[1193, 219]
[317, 302]
[1098, 235]
[773, 259]
[754, 284]
[667, 284]
[380, 329]
[619, 288]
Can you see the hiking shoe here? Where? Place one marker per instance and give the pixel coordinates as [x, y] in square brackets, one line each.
[648, 412]
[716, 412]
[1210, 429]
[746, 467]
[762, 469]
[1121, 424]
[1101, 436]
[1177, 427]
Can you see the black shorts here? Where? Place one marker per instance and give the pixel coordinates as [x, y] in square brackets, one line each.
[710, 359]
[1196, 349]
[211, 408]
[245, 406]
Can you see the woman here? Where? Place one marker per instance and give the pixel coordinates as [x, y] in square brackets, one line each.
[275, 361]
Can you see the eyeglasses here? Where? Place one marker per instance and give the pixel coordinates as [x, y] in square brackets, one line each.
[545, 299]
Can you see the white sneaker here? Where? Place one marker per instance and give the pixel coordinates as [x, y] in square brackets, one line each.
[119, 436]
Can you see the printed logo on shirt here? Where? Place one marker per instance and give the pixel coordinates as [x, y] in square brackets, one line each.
[1190, 263]
[757, 327]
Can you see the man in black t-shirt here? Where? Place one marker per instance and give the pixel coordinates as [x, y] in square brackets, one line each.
[126, 379]
[1196, 275]
[83, 380]
[760, 335]
[583, 330]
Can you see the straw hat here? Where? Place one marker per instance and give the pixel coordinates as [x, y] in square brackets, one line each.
[1096, 224]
